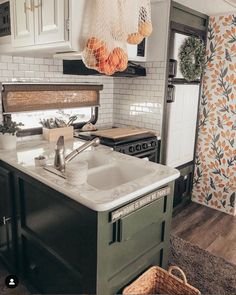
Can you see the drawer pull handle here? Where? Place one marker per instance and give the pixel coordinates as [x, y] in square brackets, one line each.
[27, 7]
[37, 6]
[6, 220]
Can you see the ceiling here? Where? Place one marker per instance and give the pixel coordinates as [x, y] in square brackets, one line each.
[210, 7]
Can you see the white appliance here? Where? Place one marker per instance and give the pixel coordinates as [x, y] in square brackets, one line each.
[182, 111]
[182, 118]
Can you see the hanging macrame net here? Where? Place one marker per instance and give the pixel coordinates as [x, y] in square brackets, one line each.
[115, 23]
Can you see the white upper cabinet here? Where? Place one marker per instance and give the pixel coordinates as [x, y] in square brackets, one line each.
[38, 27]
[58, 28]
[50, 21]
[37, 22]
[22, 23]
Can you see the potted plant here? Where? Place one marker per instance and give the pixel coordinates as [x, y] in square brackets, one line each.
[8, 130]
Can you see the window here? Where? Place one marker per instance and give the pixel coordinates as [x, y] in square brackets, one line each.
[32, 103]
[32, 119]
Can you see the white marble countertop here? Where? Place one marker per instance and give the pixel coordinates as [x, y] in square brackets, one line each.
[96, 199]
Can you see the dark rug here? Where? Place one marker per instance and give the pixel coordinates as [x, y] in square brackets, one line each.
[206, 272]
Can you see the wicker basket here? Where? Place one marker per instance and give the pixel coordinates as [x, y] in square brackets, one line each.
[159, 281]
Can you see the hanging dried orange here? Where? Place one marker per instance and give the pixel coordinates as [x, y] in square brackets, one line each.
[123, 60]
[122, 66]
[114, 58]
[135, 38]
[106, 68]
[109, 69]
[94, 43]
[145, 29]
[101, 53]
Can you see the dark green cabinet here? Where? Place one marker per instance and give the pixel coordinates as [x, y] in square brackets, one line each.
[7, 250]
[64, 247]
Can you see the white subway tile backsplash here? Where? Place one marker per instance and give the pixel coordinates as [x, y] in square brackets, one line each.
[24, 67]
[18, 59]
[124, 101]
[5, 58]
[3, 66]
[139, 101]
[44, 68]
[29, 60]
[27, 69]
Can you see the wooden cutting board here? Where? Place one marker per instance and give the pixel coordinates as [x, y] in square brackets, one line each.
[118, 133]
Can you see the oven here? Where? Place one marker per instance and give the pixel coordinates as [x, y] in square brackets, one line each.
[144, 146]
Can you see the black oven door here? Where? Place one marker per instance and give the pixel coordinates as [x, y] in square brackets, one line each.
[149, 156]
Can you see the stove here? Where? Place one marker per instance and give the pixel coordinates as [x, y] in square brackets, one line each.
[144, 146]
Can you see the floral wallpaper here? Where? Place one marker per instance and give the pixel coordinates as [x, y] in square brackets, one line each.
[215, 170]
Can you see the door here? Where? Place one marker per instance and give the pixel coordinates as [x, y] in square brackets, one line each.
[6, 250]
[50, 21]
[22, 23]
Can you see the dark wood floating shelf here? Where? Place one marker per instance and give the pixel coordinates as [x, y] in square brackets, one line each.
[6, 87]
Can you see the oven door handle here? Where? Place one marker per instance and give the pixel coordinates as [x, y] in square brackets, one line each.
[149, 154]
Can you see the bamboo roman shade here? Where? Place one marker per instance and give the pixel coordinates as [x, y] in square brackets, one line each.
[33, 97]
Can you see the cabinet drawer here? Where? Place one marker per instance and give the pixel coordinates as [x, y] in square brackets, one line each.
[137, 234]
[149, 216]
[46, 273]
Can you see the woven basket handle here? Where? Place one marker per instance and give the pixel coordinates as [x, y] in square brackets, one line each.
[179, 270]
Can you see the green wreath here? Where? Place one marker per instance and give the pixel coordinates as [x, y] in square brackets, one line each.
[192, 58]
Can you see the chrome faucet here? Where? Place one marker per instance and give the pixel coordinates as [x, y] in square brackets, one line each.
[61, 160]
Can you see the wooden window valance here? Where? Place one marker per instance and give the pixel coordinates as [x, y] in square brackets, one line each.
[33, 97]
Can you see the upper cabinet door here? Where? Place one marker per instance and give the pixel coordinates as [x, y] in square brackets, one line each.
[22, 23]
[50, 21]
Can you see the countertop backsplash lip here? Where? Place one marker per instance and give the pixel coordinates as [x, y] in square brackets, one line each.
[97, 200]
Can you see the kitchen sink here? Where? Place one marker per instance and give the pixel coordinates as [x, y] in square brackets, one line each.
[94, 159]
[111, 176]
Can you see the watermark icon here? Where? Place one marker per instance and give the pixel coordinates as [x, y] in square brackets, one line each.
[11, 281]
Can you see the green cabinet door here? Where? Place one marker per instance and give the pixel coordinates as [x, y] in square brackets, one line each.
[6, 221]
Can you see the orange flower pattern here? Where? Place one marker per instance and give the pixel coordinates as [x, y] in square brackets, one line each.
[215, 169]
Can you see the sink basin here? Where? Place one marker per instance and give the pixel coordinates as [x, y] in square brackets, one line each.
[114, 175]
[94, 159]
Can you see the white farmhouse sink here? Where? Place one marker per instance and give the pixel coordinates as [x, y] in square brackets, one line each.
[111, 176]
[94, 159]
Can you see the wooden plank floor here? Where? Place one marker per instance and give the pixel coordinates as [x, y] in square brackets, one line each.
[209, 229]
